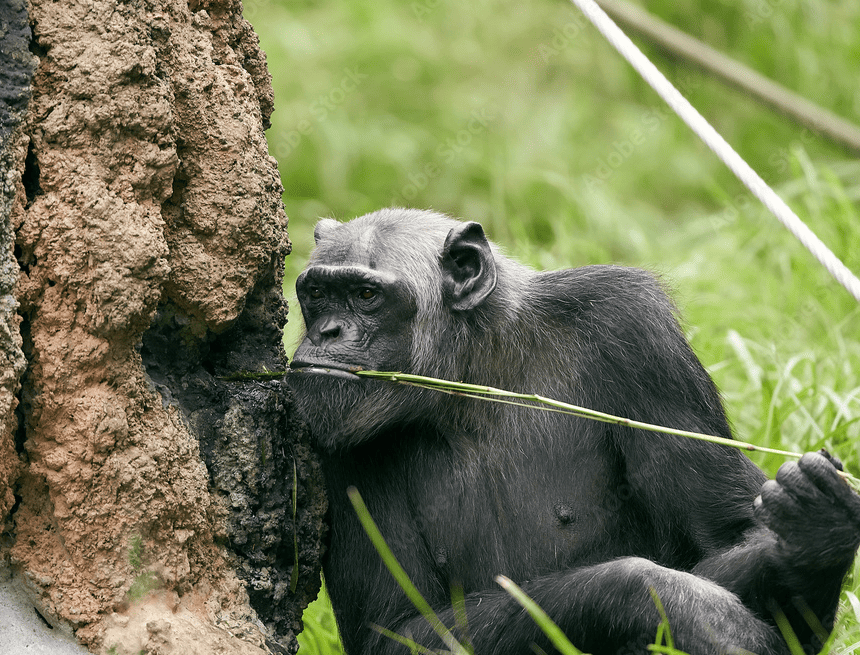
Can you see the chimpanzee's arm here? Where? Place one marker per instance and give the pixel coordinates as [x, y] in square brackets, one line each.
[791, 548]
[605, 608]
[795, 560]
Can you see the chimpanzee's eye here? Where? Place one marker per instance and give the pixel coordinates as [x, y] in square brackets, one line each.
[366, 294]
[315, 292]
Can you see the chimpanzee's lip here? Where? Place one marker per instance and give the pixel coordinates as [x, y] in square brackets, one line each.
[324, 367]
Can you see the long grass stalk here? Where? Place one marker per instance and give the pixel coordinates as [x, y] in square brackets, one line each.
[536, 401]
[543, 403]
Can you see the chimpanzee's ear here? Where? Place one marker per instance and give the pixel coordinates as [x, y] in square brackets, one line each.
[468, 267]
[323, 227]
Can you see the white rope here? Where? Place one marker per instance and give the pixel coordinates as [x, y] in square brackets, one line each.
[719, 145]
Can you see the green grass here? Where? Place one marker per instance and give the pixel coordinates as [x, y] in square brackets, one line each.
[135, 552]
[571, 159]
[319, 636]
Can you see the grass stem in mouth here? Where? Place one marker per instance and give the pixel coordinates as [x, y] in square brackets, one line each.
[534, 401]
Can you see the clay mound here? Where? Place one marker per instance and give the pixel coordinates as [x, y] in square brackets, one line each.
[145, 499]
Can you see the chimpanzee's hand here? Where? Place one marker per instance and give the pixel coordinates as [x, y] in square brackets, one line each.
[814, 513]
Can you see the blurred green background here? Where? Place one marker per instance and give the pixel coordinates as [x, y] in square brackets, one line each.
[519, 115]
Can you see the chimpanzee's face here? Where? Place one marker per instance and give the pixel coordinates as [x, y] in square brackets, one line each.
[356, 317]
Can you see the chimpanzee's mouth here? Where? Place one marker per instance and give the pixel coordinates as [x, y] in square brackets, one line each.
[323, 367]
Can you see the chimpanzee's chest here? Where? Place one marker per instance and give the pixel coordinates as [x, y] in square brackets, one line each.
[524, 523]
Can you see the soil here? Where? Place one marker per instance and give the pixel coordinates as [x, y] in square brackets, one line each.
[16, 71]
[148, 502]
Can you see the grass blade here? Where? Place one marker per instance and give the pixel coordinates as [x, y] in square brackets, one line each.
[535, 401]
[541, 618]
[400, 575]
[494, 394]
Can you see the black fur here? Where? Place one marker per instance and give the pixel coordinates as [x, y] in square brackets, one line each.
[586, 516]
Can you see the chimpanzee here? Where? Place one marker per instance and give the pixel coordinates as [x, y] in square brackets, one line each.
[591, 519]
